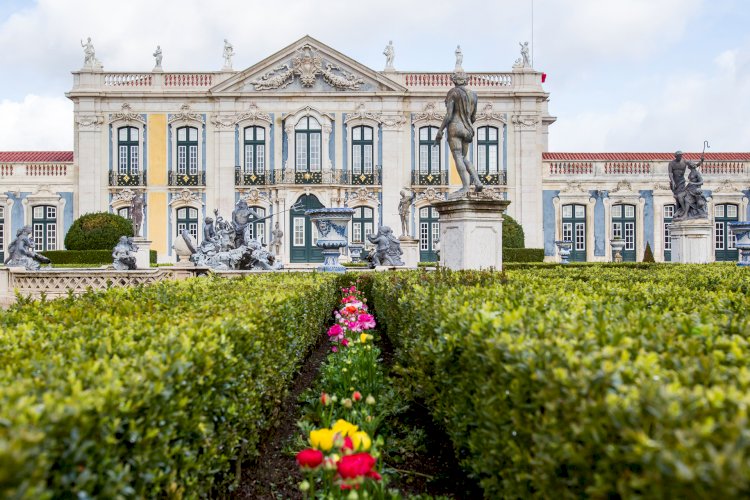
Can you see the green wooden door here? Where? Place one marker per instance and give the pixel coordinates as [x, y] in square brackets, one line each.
[623, 226]
[302, 232]
[668, 215]
[724, 240]
[429, 234]
[574, 230]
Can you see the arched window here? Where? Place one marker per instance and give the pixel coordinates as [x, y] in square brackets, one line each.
[488, 145]
[429, 234]
[668, 216]
[187, 218]
[362, 224]
[187, 151]
[128, 151]
[574, 229]
[623, 226]
[429, 156]
[255, 151]
[44, 225]
[724, 240]
[308, 141]
[124, 212]
[362, 155]
[258, 229]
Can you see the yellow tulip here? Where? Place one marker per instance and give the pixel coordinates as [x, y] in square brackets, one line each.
[344, 428]
[361, 441]
[363, 337]
[322, 439]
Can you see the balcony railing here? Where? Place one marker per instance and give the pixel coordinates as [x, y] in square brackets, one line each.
[131, 179]
[177, 179]
[429, 179]
[324, 177]
[643, 169]
[494, 179]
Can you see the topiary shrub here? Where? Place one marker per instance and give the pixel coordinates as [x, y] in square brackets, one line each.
[648, 255]
[523, 254]
[512, 233]
[97, 231]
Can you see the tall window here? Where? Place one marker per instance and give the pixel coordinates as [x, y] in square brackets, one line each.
[487, 150]
[668, 216]
[362, 224]
[256, 229]
[429, 234]
[128, 151]
[725, 241]
[298, 238]
[187, 150]
[361, 150]
[623, 226]
[124, 212]
[255, 150]
[44, 225]
[187, 218]
[308, 145]
[429, 156]
[574, 230]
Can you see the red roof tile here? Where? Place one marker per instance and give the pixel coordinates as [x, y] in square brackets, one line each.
[642, 156]
[36, 156]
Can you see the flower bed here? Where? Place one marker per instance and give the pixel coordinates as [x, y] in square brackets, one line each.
[149, 391]
[582, 381]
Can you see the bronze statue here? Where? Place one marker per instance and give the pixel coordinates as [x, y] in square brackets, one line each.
[461, 106]
[689, 204]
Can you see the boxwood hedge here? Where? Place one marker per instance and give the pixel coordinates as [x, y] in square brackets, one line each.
[574, 382]
[151, 391]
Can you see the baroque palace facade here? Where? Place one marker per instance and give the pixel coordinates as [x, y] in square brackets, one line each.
[309, 127]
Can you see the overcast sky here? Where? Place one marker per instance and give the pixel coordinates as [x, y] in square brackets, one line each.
[624, 75]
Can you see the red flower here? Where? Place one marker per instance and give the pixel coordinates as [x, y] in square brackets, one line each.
[325, 399]
[345, 342]
[357, 396]
[356, 465]
[334, 330]
[348, 444]
[309, 458]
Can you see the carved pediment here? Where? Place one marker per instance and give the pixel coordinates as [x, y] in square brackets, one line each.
[308, 66]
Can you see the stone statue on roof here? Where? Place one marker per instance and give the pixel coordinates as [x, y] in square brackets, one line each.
[389, 54]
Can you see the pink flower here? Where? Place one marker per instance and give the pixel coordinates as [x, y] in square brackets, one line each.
[345, 342]
[334, 330]
[366, 321]
[335, 349]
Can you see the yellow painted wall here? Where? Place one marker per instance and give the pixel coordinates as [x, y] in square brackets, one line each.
[157, 149]
[453, 178]
[157, 221]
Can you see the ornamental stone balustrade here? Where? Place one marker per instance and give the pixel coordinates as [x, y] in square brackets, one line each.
[647, 170]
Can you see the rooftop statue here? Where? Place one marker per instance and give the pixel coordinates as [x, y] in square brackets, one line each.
[525, 59]
[89, 54]
[690, 203]
[461, 111]
[228, 53]
[459, 60]
[21, 251]
[158, 56]
[389, 54]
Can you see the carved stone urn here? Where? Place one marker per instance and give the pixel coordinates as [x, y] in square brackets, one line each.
[333, 234]
[564, 248]
[618, 244]
[741, 232]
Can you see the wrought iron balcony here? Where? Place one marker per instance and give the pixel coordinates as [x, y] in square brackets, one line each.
[242, 178]
[176, 179]
[429, 179]
[366, 179]
[130, 179]
[494, 178]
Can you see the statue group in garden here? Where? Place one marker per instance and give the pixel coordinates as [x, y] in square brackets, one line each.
[230, 245]
[124, 254]
[21, 251]
[690, 202]
[387, 250]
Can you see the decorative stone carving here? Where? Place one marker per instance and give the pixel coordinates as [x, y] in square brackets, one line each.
[393, 122]
[126, 115]
[623, 186]
[573, 187]
[253, 114]
[429, 113]
[307, 65]
[430, 194]
[89, 121]
[186, 114]
[253, 196]
[125, 195]
[186, 197]
[726, 187]
[528, 122]
[389, 121]
[488, 114]
[361, 195]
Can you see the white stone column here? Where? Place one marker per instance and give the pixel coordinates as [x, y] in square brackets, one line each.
[528, 179]
[692, 241]
[395, 173]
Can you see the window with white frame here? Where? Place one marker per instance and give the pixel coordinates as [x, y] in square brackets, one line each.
[308, 144]
[429, 152]
[298, 238]
[187, 219]
[362, 148]
[257, 228]
[255, 150]
[668, 216]
[187, 150]
[2, 229]
[128, 151]
[44, 226]
[362, 223]
[487, 150]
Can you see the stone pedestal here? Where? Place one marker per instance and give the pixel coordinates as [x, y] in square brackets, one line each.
[142, 255]
[692, 241]
[471, 232]
[410, 247]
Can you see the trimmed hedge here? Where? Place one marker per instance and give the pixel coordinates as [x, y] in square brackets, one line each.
[523, 255]
[513, 236]
[101, 257]
[152, 391]
[573, 382]
[97, 231]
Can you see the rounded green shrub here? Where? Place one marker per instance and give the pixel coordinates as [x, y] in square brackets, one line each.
[97, 231]
[512, 233]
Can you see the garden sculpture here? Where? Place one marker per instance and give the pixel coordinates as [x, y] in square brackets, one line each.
[404, 207]
[690, 203]
[241, 217]
[21, 251]
[387, 251]
[461, 110]
[277, 236]
[123, 255]
[137, 204]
